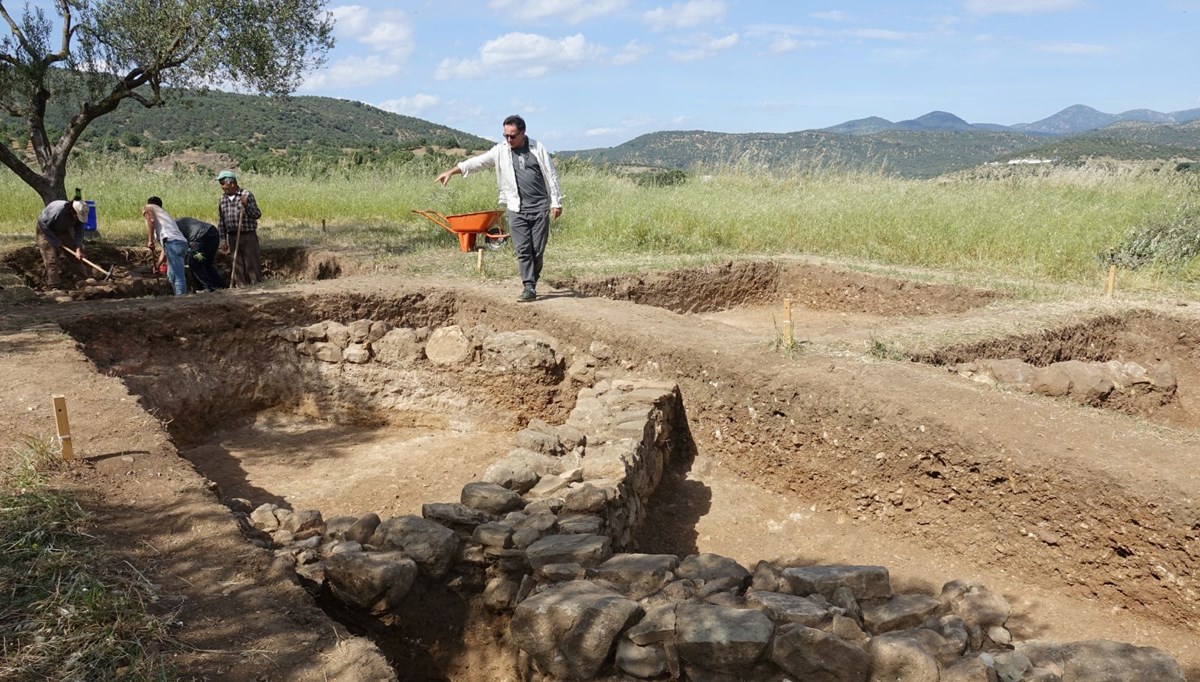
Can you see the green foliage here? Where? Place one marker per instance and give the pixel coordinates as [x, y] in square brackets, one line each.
[1024, 228]
[96, 55]
[908, 153]
[660, 177]
[882, 350]
[69, 612]
[1169, 241]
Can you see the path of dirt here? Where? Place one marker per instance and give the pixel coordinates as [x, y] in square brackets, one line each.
[1086, 519]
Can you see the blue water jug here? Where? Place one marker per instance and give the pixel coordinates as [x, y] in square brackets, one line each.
[90, 224]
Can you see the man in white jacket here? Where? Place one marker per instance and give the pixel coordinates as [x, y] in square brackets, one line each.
[528, 189]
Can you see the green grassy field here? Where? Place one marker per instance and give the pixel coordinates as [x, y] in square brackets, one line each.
[1037, 228]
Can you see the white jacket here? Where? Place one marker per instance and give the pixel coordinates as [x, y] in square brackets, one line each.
[500, 156]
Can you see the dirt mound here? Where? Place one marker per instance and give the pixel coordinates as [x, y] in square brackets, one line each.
[710, 289]
[191, 160]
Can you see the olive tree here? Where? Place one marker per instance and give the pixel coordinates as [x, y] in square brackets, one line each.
[85, 57]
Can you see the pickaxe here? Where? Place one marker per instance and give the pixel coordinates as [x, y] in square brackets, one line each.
[107, 273]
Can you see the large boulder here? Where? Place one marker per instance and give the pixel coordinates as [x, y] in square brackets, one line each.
[449, 346]
[720, 637]
[376, 581]
[585, 550]
[523, 351]
[433, 546]
[817, 656]
[1103, 661]
[398, 347]
[864, 582]
[570, 629]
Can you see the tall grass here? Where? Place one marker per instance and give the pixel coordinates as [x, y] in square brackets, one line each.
[1049, 227]
[68, 611]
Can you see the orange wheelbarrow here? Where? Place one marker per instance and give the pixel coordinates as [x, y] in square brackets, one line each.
[467, 226]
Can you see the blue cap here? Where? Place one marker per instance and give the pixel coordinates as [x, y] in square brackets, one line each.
[226, 175]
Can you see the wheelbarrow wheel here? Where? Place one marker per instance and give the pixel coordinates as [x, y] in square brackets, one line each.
[494, 242]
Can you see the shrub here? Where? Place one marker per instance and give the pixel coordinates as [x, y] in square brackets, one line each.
[1170, 241]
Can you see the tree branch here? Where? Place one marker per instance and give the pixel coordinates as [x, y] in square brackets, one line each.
[22, 169]
[16, 30]
[64, 9]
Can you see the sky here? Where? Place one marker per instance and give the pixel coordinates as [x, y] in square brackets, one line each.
[596, 73]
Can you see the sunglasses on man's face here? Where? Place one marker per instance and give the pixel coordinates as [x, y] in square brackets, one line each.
[512, 136]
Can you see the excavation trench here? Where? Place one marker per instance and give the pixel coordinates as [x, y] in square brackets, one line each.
[1142, 364]
[134, 273]
[270, 423]
[738, 284]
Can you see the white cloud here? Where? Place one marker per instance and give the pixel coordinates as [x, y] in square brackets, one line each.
[411, 106]
[389, 32]
[1020, 6]
[351, 72]
[526, 107]
[876, 34]
[1084, 49]
[834, 15]
[522, 55]
[706, 47]
[685, 14]
[350, 20]
[632, 53]
[570, 11]
[628, 126]
[785, 44]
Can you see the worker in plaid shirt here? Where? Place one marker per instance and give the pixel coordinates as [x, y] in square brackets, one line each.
[238, 216]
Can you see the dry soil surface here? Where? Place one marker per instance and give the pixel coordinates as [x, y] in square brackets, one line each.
[1086, 519]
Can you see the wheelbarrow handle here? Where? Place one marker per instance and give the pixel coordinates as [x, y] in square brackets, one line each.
[436, 218]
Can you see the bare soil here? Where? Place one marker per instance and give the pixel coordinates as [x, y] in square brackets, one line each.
[842, 449]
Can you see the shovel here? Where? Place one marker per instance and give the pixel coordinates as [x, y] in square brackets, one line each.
[107, 273]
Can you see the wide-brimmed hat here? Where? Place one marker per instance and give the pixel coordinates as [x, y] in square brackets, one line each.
[226, 175]
[82, 210]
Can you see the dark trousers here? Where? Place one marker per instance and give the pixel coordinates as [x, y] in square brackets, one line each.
[530, 232]
[204, 263]
[57, 261]
[246, 269]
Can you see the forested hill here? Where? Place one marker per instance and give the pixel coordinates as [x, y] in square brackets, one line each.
[904, 152]
[909, 153]
[262, 132]
[277, 123]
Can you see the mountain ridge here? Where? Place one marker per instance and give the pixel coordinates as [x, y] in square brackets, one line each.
[1073, 120]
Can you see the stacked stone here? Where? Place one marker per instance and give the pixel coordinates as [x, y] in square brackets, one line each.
[334, 342]
[537, 536]
[646, 616]
[546, 503]
[1089, 383]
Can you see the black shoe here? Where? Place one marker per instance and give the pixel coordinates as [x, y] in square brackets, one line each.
[527, 296]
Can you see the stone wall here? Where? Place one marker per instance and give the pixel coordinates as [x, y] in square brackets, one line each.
[544, 536]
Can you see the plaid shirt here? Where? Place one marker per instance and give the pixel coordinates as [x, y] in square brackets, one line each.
[230, 213]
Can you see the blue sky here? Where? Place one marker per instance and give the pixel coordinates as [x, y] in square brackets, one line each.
[595, 73]
[592, 73]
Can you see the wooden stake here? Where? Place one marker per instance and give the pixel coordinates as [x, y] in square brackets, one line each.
[64, 427]
[323, 232]
[789, 333]
[1112, 280]
[479, 260]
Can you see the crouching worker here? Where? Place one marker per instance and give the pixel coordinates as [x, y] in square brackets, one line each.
[162, 228]
[59, 232]
[203, 242]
